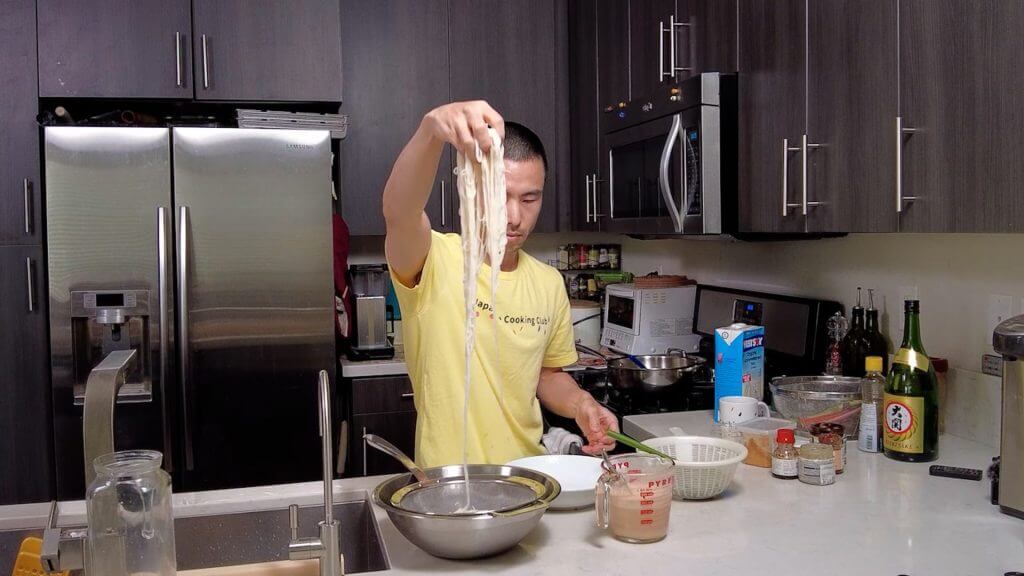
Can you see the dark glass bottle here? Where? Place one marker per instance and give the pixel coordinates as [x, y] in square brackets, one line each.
[856, 346]
[878, 345]
[911, 414]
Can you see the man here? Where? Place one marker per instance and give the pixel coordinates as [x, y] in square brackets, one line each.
[522, 342]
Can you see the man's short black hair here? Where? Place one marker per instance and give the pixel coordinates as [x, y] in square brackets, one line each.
[521, 144]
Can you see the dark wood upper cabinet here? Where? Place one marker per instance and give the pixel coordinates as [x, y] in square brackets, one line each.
[26, 449]
[962, 92]
[651, 39]
[771, 114]
[115, 48]
[709, 41]
[851, 115]
[395, 72]
[21, 205]
[612, 57]
[514, 66]
[585, 115]
[267, 50]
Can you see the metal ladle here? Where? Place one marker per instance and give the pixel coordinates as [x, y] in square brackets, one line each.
[393, 451]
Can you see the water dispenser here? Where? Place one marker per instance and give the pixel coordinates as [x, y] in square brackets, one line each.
[103, 321]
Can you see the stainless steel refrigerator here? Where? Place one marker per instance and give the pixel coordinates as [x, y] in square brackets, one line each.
[209, 251]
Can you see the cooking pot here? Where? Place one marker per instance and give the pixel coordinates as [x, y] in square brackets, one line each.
[659, 371]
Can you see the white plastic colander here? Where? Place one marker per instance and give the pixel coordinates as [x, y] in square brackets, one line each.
[704, 465]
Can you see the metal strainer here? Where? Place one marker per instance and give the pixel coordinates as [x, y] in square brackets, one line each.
[486, 495]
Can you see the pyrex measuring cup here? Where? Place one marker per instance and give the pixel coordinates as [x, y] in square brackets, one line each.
[634, 499]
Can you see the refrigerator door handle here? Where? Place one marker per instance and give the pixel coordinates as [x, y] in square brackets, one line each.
[183, 343]
[162, 288]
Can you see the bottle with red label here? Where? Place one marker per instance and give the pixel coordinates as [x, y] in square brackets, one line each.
[911, 401]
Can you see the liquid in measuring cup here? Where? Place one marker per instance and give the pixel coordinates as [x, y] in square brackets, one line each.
[635, 505]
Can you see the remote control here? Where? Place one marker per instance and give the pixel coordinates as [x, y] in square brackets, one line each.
[954, 472]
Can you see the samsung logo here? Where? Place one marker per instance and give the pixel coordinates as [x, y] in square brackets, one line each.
[299, 146]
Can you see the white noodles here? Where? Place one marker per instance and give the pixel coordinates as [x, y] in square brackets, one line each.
[481, 185]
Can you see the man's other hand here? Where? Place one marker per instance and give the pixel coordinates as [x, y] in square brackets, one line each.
[594, 420]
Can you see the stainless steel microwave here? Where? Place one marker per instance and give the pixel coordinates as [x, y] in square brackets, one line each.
[672, 160]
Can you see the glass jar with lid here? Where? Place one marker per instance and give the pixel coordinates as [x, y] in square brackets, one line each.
[131, 522]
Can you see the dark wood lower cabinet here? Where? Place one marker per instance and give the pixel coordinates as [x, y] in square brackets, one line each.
[399, 428]
[382, 406]
[26, 447]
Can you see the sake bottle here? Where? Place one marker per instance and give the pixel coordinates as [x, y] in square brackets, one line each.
[911, 400]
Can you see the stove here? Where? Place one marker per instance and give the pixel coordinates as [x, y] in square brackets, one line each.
[698, 394]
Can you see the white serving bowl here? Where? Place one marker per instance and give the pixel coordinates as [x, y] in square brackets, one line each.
[577, 475]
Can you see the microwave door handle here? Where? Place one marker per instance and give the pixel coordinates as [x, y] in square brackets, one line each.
[666, 157]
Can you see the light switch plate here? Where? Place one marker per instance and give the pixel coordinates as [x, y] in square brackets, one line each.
[992, 365]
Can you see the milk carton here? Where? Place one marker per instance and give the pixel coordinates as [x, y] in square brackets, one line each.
[739, 362]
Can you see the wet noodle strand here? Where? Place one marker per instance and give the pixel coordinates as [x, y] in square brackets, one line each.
[481, 185]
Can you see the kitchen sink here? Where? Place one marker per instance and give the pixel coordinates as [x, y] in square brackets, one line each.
[252, 537]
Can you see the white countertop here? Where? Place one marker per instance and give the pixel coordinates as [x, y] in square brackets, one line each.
[367, 368]
[881, 517]
[394, 366]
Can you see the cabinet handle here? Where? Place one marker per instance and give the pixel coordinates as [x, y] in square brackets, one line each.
[443, 204]
[900, 131]
[587, 195]
[672, 25]
[593, 183]
[27, 188]
[30, 276]
[661, 51]
[177, 58]
[206, 66]
[364, 452]
[804, 145]
[786, 149]
[407, 394]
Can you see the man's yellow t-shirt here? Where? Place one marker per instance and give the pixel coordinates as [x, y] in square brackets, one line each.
[534, 329]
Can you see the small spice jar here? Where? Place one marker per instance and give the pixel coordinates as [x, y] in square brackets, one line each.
[831, 434]
[785, 463]
[613, 256]
[817, 464]
[563, 257]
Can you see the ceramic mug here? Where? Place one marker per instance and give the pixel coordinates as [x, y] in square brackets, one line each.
[738, 409]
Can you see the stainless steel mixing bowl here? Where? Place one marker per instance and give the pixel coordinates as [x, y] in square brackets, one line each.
[468, 535]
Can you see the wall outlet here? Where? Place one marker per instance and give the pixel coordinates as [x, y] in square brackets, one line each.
[1000, 307]
[992, 365]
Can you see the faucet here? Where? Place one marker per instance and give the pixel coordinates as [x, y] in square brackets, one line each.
[325, 547]
[64, 549]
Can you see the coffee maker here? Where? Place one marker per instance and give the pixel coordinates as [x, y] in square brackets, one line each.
[370, 287]
[1008, 340]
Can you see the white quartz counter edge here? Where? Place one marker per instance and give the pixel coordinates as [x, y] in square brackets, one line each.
[366, 369]
[881, 517]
